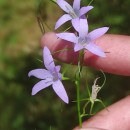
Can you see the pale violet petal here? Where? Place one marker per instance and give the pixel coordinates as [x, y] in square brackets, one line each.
[76, 4]
[68, 37]
[60, 76]
[48, 59]
[78, 47]
[62, 20]
[95, 49]
[40, 73]
[75, 23]
[60, 90]
[64, 5]
[58, 68]
[40, 85]
[98, 32]
[83, 29]
[84, 10]
[83, 17]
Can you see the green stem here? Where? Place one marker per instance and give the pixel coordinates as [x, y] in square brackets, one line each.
[78, 103]
[80, 63]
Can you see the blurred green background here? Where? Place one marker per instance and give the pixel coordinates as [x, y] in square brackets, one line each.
[19, 53]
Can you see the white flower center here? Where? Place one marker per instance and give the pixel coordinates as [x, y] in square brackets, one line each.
[84, 41]
[55, 75]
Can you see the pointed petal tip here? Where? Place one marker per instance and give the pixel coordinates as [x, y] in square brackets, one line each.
[46, 48]
[57, 25]
[67, 102]
[104, 55]
[33, 93]
[106, 28]
[60, 91]
[55, 28]
[29, 74]
[57, 34]
[91, 7]
[101, 54]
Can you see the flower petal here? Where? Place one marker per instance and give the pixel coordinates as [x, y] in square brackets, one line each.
[98, 32]
[40, 73]
[75, 23]
[83, 28]
[84, 10]
[48, 60]
[76, 4]
[78, 47]
[39, 86]
[95, 49]
[60, 90]
[64, 5]
[68, 37]
[58, 68]
[62, 20]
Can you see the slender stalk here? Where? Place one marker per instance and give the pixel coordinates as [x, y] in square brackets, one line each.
[78, 80]
[78, 103]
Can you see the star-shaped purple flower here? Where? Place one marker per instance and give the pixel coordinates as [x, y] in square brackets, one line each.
[51, 76]
[73, 13]
[85, 40]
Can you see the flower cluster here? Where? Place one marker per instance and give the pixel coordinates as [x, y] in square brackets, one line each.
[83, 40]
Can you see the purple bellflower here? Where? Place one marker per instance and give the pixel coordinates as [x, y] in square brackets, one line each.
[85, 40]
[73, 13]
[51, 76]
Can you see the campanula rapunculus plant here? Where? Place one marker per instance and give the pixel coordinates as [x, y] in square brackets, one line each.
[50, 76]
[73, 13]
[85, 40]
[82, 40]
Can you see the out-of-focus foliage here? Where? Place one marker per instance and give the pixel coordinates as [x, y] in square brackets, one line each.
[114, 14]
[20, 51]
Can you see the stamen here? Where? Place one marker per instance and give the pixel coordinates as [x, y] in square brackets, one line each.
[83, 41]
[55, 75]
